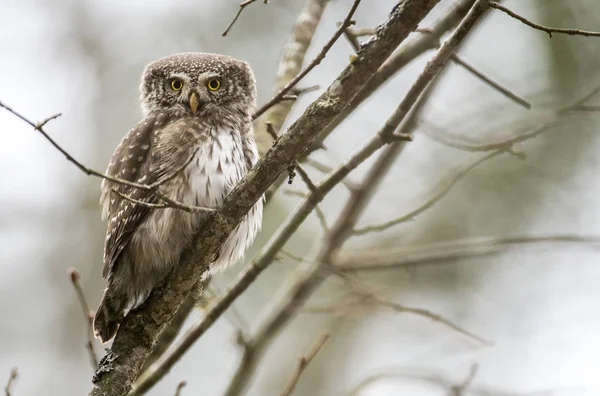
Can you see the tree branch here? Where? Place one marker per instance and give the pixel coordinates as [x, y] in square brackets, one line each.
[290, 65]
[243, 5]
[75, 278]
[408, 52]
[309, 281]
[303, 362]
[137, 335]
[409, 256]
[547, 29]
[436, 197]
[292, 83]
[14, 374]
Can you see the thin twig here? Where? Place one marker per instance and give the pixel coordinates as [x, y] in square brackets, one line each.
[432, 253]
[459, 390]
[545, 124]
[14, 374]
[503, 90]
[410, 50]
[277, 98]
[303, 362]
[307, 282]
[431, 315]
[91, 172]
[180, 386]
[88, 315]
[443, 189]
[306, 179]
[547, 29]
[140, 328]
[243, 5]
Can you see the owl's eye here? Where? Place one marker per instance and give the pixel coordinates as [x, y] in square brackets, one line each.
[176, 84]
[214, 84]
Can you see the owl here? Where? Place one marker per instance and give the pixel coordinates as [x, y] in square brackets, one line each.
[196, 142]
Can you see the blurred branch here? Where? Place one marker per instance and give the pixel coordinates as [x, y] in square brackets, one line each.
[459, 390]
[306, 283]
[180, 386]
[303, 363]
[290, 65]
[139, 330]
[14, 374]
[410, 256]
[89, 315]
[243, 5]
[292, 83]
[442, 189]
[545, 124]
[446, 384]
[363, 295]
[546, 29]
[487, 80]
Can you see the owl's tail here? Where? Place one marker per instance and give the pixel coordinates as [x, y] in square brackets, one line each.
[109, 315]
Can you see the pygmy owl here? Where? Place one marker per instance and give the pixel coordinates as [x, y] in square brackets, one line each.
[197, 111]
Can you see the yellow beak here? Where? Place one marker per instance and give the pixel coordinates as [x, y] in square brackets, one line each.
[194, 102]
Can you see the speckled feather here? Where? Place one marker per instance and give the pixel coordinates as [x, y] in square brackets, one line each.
[143, 244]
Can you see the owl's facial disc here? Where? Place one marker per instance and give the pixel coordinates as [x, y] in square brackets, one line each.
[194, 102]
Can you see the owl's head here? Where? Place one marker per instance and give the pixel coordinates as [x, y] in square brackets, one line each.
[199, 84]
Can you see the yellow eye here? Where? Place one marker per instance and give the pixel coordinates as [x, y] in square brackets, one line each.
[214, 85]
[176, 84]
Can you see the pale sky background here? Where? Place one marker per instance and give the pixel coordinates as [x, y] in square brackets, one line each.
[539, 304]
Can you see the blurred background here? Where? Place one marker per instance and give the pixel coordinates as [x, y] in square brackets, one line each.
[538, 303]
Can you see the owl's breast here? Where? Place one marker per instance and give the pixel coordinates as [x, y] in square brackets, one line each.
[217, 167]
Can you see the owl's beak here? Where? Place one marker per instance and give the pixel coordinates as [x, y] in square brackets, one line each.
[194, 102]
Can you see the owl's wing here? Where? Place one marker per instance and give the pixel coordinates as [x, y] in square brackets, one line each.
[139, 158]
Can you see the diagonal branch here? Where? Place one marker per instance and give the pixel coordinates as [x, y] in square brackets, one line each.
[139, 330]
[408, 52]
[309, 281]
[91, 172]
[243, 5]
[547, 29]
[291, 84]
[303, 363]
[290, 65]
[436, 197]
[14, 374]
[432, 253]
[75, 278]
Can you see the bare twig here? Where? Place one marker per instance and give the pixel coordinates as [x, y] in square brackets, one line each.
[547, 29]
[504, 91]
[309, 281]
[277, 98]
[409, 256]
[289, 66]
[91, 172]
[459, 390]
[243, 5]
[351, 35]
[14, 374]
[303, 362]
[544, 124]
[409, 51]
[430, 315]
[140, 328]
[443, 189]
[88, 315]
[180, 386]
[306, 179]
